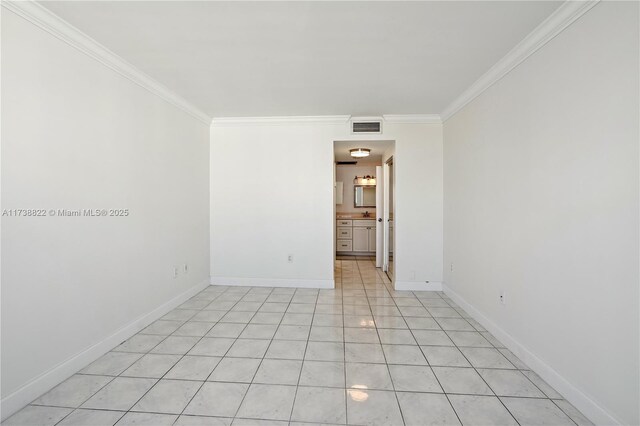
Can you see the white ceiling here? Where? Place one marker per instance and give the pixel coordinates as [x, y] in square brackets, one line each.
[310, 58]
[341, 150]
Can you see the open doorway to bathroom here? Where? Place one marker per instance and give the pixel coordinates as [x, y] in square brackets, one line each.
[363, 239]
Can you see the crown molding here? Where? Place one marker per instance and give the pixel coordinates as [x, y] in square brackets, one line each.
[323, 119]
[53, 24]
[561, 18]
[413, 118]
[366, 118]
[328, 119]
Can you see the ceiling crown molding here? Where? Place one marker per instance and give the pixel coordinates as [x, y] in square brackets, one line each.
[328, 119]
[322, 119]
[53, 24]
[413, 118]
[561, 18]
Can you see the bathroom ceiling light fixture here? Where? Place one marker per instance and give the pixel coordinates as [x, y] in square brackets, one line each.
[360, 152]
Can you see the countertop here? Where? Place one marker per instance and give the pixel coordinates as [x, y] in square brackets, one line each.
[372, 216]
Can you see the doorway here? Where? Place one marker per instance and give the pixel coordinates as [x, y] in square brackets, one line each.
[360, 211]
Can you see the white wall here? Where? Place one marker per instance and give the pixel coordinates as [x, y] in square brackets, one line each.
[76, 134]
[270, 199]
[272, 195]
[346, 174]
[541, 201]
[417, 217]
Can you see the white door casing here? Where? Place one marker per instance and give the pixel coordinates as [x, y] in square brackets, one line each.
[379, 213]
[385, 217]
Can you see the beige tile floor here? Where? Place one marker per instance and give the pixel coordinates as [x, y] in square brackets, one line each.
[360, 354]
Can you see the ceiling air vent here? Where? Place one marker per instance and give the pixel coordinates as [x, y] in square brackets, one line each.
[366, 126]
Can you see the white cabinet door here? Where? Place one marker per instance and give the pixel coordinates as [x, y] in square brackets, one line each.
[372, 238]
[360, 238]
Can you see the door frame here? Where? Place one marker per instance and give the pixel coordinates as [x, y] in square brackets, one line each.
[385, 217]
[380, 207]
[364, 139]
[389, 200]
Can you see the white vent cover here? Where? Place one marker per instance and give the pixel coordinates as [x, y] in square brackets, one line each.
[366, 126]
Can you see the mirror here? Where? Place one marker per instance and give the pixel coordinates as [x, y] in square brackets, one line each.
[364, 196]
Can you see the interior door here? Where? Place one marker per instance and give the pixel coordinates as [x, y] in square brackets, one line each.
[335, 248]
[379, 242]
[385, 217]
[391, 224]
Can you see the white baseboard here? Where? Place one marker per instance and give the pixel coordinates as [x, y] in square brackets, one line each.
[418, 285]
[571, 393]
[356, 253]
[47, 380]
[272, 282]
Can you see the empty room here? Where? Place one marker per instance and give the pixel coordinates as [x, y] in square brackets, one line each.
[290, 213]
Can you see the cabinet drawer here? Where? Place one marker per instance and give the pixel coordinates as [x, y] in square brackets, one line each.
[343, 245]
[368, 222]
[344, 222]
[344, 232]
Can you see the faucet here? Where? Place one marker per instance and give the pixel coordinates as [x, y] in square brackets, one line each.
[366, 214]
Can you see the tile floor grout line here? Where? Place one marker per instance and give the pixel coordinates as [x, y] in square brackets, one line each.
[80, 405]
[494, 392]
[438, 379]
[119, 375]
[227, 351]
[303, 386]
[431, 368]
[265, 352]
[482, 377]
[202, 338]
[295, 396]
[369, 295]
[561, 409]
[393, 385]
[344, 362]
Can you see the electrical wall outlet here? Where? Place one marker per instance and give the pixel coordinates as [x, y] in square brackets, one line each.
[185, 268]
[503, 297]
[290, 258]
[175, 272]
[451, 267]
